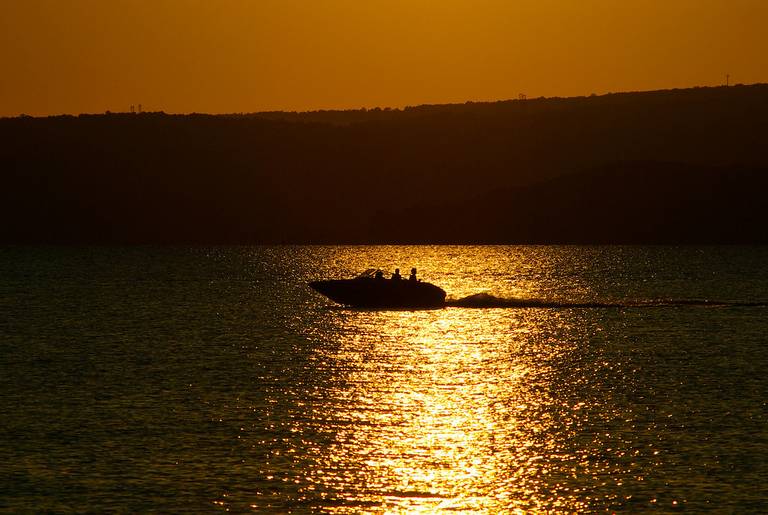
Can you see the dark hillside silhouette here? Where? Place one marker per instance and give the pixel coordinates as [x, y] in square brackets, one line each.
[622, 203]
[666, 166]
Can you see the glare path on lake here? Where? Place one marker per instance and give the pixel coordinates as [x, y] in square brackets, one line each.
[449, 409]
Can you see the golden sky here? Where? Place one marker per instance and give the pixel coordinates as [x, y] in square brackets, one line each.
[219, 56]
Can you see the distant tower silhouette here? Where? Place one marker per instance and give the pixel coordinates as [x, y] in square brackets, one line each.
[139, 108]
[132, 109]
[727, 79]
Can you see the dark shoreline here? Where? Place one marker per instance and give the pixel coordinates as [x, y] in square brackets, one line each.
[665, 167]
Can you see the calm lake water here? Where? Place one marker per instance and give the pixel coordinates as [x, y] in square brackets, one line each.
[205, 379]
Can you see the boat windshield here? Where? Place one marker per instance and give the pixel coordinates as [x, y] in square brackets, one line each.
[368, 274]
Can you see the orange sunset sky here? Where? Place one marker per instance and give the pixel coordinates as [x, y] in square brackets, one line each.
[221, 56]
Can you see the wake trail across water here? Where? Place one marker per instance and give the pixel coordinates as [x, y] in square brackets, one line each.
[486, 300]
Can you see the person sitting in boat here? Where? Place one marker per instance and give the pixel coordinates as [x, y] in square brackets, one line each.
[396, 276]
[378, 275]
[412, 277]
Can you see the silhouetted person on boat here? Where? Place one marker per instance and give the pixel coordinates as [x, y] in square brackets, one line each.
[396, 276]
[378, 275]
[412, 277]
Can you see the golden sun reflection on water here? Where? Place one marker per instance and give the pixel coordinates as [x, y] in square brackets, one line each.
[448, 409]
[470, 410]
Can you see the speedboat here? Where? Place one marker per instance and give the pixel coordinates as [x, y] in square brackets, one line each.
[369, 291]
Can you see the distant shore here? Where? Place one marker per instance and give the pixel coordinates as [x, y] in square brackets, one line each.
[673, 166]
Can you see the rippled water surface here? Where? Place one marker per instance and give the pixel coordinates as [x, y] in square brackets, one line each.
[204, 379]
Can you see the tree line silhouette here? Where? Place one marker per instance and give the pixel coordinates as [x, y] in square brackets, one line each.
[676, 166]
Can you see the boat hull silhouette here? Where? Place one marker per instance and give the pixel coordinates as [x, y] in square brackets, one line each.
[364, 292]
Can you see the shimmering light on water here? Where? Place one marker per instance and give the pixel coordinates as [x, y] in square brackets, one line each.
[446, 417]
[192, 379]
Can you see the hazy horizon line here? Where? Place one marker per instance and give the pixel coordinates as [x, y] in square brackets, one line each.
[521, 97]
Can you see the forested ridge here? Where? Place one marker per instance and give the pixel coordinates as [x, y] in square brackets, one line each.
[675, 166]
